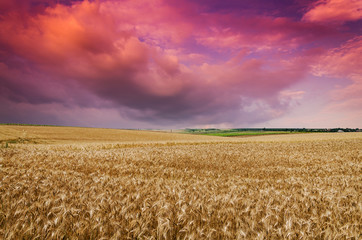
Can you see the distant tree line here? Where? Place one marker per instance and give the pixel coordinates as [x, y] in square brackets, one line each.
[198, 130]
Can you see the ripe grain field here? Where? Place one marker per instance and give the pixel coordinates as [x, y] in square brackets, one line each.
[79, 183]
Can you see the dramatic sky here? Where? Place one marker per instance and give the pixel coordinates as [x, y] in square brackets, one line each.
[181, 63]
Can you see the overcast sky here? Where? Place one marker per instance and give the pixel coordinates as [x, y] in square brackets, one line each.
[181, 63]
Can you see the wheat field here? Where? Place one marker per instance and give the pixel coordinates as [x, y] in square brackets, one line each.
[79, 183]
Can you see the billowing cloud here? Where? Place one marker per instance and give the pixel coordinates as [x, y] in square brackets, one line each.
[155, 61]
[335, 11]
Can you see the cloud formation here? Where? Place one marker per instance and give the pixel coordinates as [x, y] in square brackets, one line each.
[335, 11]
[344, 61]
[159, 62]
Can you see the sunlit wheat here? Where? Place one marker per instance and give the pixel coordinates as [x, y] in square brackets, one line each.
[273, 187]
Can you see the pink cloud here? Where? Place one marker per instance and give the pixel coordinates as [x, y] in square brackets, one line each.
[344, 62]
[156, 62]
[334, 11]
[260, 32]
